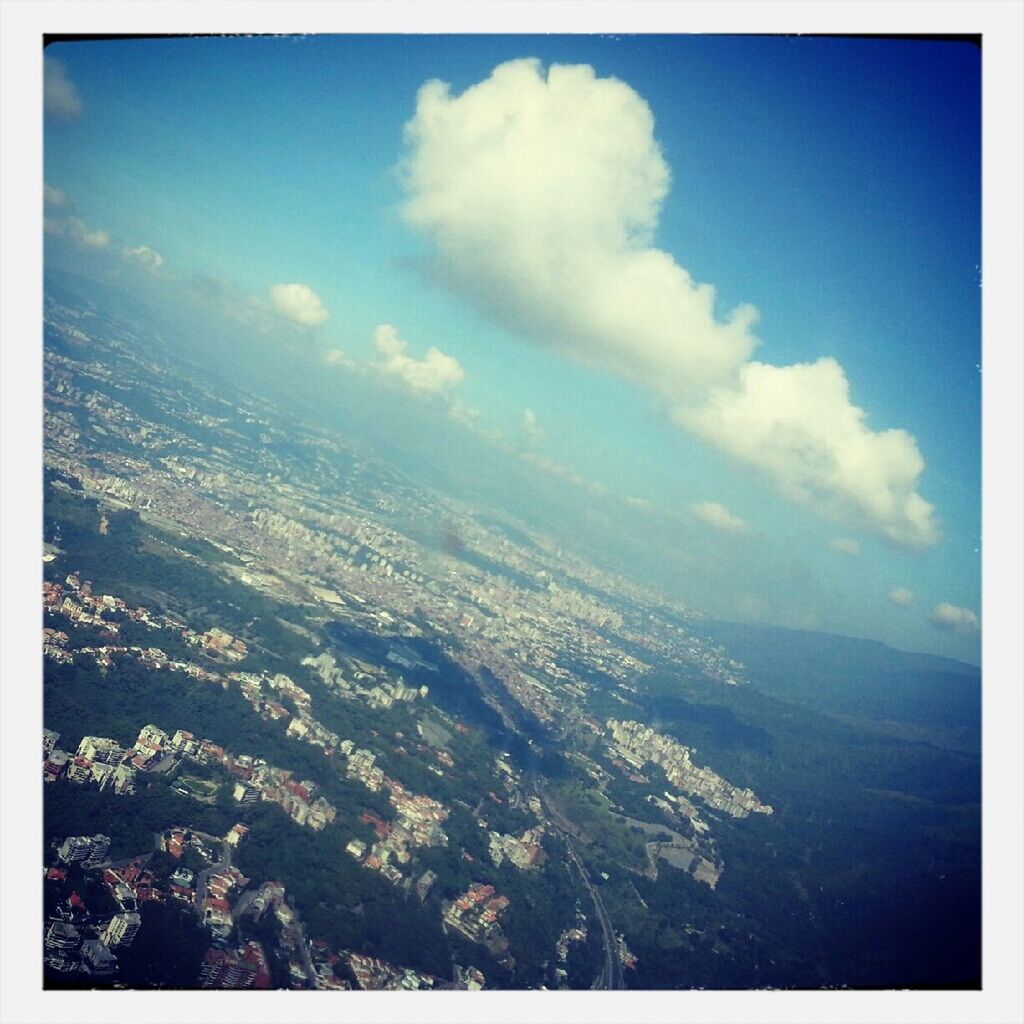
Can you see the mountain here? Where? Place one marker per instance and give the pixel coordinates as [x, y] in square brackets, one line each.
[863, 679]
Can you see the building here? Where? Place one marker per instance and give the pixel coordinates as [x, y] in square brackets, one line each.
[97, 959]
[83, 849]
[124, 897]
[245, 794]
[50, 739]
[183, 877]
[151, 737]
[102, 773]
[101, 749]
[121, 930]
[236, 834]
[425, 884]
[181, 739]
[80, 770]
[55, 764]
[469, 978]
[62, 941]
[124, 780]
[238, 969]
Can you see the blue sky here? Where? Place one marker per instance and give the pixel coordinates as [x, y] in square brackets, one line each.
[832, 183]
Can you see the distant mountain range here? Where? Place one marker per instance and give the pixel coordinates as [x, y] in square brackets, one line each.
[861, 678]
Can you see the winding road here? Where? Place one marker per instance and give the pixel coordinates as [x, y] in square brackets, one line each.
[203, 877]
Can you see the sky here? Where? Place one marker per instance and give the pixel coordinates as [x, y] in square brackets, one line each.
[723, 292]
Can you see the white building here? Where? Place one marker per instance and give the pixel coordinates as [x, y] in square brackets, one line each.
[101, 749]
[151, 736]
[83, 848]
[121, 930]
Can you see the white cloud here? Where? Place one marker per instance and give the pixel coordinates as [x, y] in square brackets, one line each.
[77, 230]
[299, 304]
[954, 619]
[901, 597]
[60, 97]
[541, 193]
[337, 357]
[559, 469]
[533, 432]
[145, 257]
[718, 516]
[635, 502]
[472, 419]
[796, 424]
[465, 415]
[845, 546]
[435, 373]
[93, 238]
[53, 196]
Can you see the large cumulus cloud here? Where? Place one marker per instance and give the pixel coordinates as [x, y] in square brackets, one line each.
[540, 191]
[542, 195]
[798, 425]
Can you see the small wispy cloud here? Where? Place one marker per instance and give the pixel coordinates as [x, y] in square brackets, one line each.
[236, 305]
[299, 304]
[61, 100]
[143, 256]
[53, 196]
[844, 546]
[337, 357]
[436, 373]
[533, 432]
[555, 468]
[901, 597]
[473, 419]
[717, 515]
[92, 238]
[954, 619]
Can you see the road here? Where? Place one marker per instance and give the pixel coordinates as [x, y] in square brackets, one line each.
[611, 972]
[303, 947]
[243, 903]
[204, 875]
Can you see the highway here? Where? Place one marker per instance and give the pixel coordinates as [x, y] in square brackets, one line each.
[611, 973]
[611, 976]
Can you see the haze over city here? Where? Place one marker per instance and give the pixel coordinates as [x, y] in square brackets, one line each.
[725, 331]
